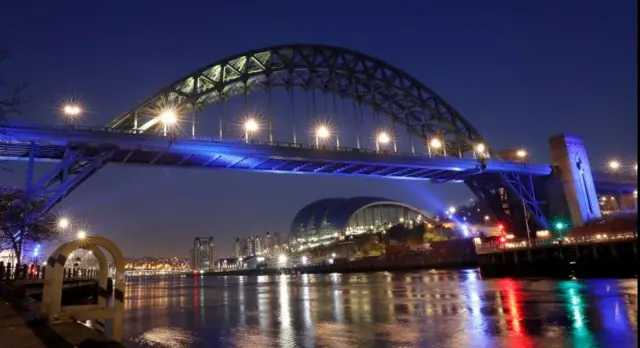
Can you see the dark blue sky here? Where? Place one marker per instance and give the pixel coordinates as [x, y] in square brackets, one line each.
[519, 71]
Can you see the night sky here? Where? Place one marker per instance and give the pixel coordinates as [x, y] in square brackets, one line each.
[519, 71]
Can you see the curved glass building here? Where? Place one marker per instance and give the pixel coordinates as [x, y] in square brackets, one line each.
[328, 219]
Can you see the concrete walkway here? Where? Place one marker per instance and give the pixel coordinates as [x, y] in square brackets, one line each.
[17, 331]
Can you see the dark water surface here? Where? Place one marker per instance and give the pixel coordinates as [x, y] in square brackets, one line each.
[418, 309]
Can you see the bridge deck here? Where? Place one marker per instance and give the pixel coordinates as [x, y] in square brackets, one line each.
[156, 149]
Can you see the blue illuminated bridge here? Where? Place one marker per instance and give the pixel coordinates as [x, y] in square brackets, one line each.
[298, 109]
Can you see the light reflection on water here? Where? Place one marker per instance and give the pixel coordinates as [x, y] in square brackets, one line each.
[419, 309]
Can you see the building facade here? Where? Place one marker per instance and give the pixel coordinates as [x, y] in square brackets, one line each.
[328, 220]
[203, 254]
[271, 243]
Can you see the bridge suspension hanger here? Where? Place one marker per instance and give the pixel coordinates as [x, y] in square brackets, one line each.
[292, 110]
[335, 115]
[355, 115]
[223, 115]
[393, 128]
[360, 111]
[246, 98]
[313, 102]
[193, 119]
[307, 112]
[270, 112]
[413, 148]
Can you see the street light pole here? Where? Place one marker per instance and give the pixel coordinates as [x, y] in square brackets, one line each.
[526, 222]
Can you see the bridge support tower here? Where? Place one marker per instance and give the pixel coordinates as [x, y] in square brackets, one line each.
[573, 173]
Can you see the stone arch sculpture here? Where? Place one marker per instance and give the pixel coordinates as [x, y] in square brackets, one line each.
[112, 314]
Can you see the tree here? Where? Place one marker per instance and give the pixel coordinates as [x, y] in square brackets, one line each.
[430, 237]
[17, 228]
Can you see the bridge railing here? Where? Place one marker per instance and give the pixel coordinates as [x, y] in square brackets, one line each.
[172, 136]
[516, 244]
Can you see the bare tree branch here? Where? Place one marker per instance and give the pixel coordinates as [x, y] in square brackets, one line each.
[15, 231]
[10, 101]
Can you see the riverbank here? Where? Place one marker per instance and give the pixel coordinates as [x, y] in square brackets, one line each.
[613, 258]
[21, 328]
[18, 329]
[344, 268]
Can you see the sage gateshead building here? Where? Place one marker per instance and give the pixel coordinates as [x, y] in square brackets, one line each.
[325, 221]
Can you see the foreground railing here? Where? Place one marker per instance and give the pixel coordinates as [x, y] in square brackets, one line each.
[9, 272]
[515, 244]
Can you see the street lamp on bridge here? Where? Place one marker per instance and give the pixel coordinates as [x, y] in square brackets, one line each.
[63, 223]
[521, 153]
[169, 118]
[71, 112]
[614, 165]
[436, 144]
[250, 126]
[322, 132]
[480, 149]
[383, 138]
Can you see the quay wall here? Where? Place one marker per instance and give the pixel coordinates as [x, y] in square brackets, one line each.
[612, 259]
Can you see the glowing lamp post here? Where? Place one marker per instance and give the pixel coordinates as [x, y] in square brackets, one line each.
[82, 235]
[250, 127]
[322, 132]
[436, 144]
[71, 112]
[383, 138]
[480, 149]
[169, 118]
[63, 223]
[521, 154]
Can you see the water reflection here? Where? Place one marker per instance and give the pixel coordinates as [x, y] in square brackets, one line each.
[434, 309]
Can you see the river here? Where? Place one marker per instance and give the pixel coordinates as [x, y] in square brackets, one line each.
[417, 309]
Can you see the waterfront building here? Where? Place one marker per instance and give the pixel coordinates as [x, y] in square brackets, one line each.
[203, 254]
[228, 264]
[269, 244]
[272, 243]
[239, 247]
[328, 220]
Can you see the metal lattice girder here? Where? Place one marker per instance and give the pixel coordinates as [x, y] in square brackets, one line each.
[75, 167]
[348, 73]
[523, 187]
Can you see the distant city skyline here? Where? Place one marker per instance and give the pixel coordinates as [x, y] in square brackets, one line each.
[517, 81]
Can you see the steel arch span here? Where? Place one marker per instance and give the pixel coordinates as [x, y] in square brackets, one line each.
[346, 72]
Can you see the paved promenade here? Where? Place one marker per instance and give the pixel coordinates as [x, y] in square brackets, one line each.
[17, 330]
